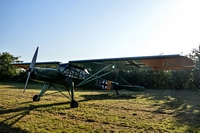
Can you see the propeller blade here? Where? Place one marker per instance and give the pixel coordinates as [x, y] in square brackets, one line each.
[31, 67]
[34, 60]
[27, 81]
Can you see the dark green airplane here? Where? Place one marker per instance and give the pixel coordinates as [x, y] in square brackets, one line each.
[84, 73]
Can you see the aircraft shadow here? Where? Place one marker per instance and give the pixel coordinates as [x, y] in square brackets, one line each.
[20, 113]
[5, 128]
[108, 96]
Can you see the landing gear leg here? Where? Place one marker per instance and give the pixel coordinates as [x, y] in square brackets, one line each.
[116, 89]
[36, 98]
[117, 93]
[74, 103]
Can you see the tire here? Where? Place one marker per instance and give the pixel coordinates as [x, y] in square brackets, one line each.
[36, 98]
[74, 104]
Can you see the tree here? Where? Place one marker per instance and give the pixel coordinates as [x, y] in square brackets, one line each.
[195, 56]
[7, 71]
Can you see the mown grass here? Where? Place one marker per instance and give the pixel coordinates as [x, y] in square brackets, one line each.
[99, 111]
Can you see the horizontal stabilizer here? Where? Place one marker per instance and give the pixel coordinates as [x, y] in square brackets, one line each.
[132, 88]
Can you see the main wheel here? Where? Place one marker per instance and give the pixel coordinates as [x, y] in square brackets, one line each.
[36, 98]
[74, 104]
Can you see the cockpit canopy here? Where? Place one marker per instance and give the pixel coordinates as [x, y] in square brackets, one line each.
[73, 71]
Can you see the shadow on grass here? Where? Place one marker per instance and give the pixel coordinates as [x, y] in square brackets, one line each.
[4, 128]
[17, 85]
[20, 113]
[106, 97]
[184, 105]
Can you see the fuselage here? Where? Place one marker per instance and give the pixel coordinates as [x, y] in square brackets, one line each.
[65, 73]
[61, 75]
[48, 75]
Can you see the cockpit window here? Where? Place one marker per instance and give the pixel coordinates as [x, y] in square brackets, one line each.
[62, 67]
[72, 71]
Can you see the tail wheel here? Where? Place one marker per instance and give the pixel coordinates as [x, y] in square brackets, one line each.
[74, 104]
[36, 98]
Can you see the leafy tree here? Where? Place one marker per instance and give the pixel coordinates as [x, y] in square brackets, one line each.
[195, 56]
[7, 71]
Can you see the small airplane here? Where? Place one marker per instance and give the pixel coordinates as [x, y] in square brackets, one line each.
[83, 72]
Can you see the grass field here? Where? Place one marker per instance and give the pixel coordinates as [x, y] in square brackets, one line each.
[99, 111]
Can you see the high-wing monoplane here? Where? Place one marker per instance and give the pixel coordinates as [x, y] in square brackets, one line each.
[79, 73]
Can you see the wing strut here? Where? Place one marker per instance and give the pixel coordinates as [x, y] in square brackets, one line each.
[94, 76]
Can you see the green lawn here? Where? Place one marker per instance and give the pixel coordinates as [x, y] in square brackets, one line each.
[99, 111]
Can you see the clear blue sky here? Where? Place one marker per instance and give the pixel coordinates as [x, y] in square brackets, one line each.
[87, 29]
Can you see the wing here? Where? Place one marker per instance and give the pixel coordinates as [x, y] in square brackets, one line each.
[52, 64]
[161, 62]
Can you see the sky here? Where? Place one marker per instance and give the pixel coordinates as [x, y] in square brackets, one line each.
[91, 29]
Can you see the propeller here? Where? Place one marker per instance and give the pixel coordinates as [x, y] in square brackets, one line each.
[31, 67]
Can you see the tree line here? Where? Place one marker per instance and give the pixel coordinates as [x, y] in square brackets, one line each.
[170, 79]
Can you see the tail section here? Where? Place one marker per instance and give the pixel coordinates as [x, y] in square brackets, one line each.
[121, 83]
